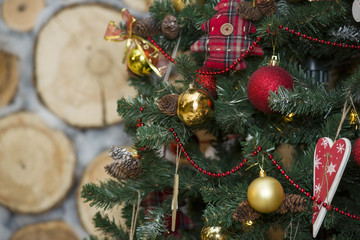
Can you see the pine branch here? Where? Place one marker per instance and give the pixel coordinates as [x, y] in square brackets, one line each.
[346, 34]
[301, 101]
[109, 227]
[154, 226]
[107, 194]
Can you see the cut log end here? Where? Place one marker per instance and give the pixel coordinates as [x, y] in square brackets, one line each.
[8, 77]
[83, 77]
[37, 166]
[138, 5]
[21, 15]
[54, 230]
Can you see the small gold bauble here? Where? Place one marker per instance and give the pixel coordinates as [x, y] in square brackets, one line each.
[353, 117]
[179, 5]
[195, 106]
[265, 194]
[133, 151]
[137, 63]
[212, 233]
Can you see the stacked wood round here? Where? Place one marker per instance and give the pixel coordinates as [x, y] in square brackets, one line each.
[79, 76]
[37, 164]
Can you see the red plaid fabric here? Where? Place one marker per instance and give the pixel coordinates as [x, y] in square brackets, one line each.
[155, 199]
[224, 49]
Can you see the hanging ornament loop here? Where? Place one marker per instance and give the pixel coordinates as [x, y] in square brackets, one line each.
[147, 49]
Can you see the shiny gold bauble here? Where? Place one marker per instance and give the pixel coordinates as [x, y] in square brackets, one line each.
[212, 233]
[137, 63]
[179, 5]
[133, 151]
[195, 106]
[353, 117]
[265, 194]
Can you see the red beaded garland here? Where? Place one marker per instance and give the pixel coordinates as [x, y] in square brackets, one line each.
[224, 174]
[315, 208]
[329, 207]
[247, 52]
[292, 31]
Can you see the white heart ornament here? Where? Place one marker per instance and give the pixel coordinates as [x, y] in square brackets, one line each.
[356, 10]
[330, 160]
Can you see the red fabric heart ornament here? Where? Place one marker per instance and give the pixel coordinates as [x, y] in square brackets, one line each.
[330, 160]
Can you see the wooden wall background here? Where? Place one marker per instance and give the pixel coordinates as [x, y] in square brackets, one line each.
[59, 81]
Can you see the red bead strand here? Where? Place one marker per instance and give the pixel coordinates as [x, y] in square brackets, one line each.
[238, 60]
[304, 36]
[161, 50]
[237, 168]
[308, 194]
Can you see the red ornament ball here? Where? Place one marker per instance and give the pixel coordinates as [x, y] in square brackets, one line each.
[356, 151]
[264, 80]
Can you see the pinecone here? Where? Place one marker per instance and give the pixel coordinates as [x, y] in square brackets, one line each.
[146, 27]
[118, 153]
[245, 212]
[292, 203]
[124, 165]
[168, 104]
[170, 27]
[267, 7]
[247, 11]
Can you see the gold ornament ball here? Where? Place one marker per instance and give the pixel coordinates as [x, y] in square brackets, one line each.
[265, 194]
[137, 63]
[195, 106]
[179, 5]
[212, 233]
[133, 151]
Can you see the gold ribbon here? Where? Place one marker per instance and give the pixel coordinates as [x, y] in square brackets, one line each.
[115, 34]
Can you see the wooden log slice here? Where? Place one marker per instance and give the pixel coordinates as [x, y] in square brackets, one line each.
[138, 5]
[8, 77]
[95, 173]
[21, 14]
[78, 74]
[36, 164]
[54, 230]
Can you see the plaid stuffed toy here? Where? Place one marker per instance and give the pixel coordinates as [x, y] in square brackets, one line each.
[228, 37]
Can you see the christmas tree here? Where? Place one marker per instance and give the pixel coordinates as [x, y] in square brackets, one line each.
[277, 86]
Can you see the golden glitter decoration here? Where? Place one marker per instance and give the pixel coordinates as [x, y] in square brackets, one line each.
[195, 106]
[212, 233]
[265, 194]
[249, 223]
[353, 117]
[288, 118]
